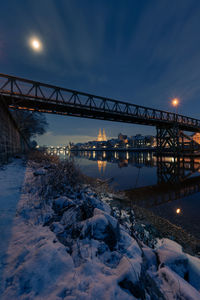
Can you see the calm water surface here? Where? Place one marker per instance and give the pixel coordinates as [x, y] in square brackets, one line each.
[161, 185]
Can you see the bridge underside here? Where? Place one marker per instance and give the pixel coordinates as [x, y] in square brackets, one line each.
[86, 112]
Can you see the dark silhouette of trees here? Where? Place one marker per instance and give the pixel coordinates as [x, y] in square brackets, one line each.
[30, 123]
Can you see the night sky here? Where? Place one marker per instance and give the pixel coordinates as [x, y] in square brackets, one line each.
[143, 52]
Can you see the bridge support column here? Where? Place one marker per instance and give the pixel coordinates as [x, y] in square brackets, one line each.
[169, 169]
[175, 141]
[175, 169]
[168, 140]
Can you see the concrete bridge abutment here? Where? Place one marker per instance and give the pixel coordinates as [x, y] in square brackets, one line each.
[11, 140]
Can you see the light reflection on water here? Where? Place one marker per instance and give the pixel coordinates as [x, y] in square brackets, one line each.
[164, 185]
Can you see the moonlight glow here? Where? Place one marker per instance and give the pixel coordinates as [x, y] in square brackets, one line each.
[35, 44]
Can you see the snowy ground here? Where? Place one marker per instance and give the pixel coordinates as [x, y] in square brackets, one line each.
[72, 246]
[11, 181]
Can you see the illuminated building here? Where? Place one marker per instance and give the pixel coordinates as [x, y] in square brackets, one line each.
[196, 137]
[101, 137]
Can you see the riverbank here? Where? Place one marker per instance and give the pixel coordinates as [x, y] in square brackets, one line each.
[68, 243]
[187, 237]
[160, 227]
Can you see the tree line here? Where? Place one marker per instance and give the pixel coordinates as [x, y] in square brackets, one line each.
[30, 124]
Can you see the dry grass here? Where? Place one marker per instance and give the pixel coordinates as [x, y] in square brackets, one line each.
[59, 175]
[63, 173]
[42, 157]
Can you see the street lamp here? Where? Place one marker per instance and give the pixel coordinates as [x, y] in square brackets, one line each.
[175, 103]
[178, 211]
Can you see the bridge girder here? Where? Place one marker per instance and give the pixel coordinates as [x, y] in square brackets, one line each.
[20, 93]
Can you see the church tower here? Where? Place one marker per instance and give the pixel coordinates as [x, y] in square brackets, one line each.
[99, 138]
[104, 136]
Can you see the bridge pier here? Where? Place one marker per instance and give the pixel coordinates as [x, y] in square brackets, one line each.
[170, 169]
[168, 140]
[174, 141]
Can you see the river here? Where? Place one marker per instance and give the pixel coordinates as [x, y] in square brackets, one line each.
[168, 186]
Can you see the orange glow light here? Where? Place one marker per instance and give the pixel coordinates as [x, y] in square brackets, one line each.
[175, 102]
[178, 210]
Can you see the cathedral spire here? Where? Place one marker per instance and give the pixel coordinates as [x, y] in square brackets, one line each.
[99, 138]
[104, 136]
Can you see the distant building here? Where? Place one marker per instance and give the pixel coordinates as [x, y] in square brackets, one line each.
[102, 137]
[196, 137]
[122, 137]
[140, 141]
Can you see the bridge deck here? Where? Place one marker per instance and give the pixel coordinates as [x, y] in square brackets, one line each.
[26, 94]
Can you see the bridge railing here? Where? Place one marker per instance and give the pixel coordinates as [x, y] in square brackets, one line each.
[33, 90]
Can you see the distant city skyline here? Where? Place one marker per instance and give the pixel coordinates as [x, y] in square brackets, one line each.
[63, 140]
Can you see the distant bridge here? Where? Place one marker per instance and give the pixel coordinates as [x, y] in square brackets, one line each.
[31, 95]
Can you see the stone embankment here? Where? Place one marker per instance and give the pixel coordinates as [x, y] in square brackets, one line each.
[11, 140]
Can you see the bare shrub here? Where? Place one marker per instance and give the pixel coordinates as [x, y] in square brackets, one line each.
[42, 157]
[100, 186]
[60, 176]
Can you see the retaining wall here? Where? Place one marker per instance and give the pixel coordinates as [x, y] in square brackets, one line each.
[11, 140]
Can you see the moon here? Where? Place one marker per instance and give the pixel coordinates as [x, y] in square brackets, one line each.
[35, 44]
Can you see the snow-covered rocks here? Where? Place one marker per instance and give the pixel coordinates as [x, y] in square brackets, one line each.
[62, 202]
[175, 287]
[70, 246]
[99, 228]
[170, 254]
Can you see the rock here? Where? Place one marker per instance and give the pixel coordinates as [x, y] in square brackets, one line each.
[56, 227]
[71, 216]
[134, 288]
[176, 261]
[62, 202]
[111, 259]
[178, 287]
[150, 257]
[170, 254]
[99, 228]
[110, 219]
[39, 172]
[152, 286]
[102, 248]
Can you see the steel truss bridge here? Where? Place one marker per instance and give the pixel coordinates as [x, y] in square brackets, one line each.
[24, 94]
